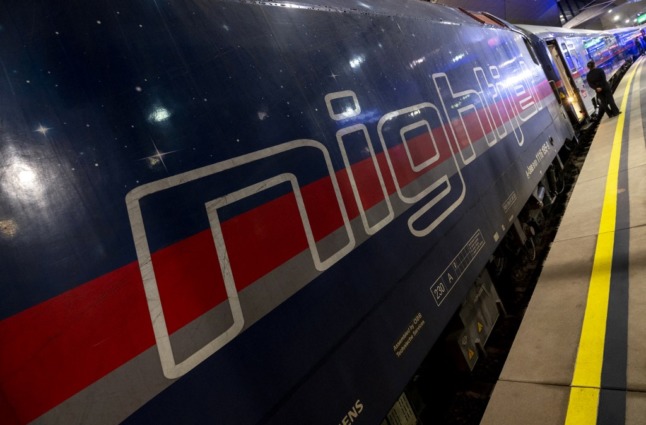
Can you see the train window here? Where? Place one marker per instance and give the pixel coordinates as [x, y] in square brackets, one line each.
[575, 57]
[599, 48]
[568, 57]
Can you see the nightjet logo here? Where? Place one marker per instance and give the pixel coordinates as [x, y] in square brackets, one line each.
[423, 149]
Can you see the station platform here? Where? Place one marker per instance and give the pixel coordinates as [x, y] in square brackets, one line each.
[580, 354]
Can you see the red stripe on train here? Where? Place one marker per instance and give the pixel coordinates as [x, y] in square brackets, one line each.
[55, 349]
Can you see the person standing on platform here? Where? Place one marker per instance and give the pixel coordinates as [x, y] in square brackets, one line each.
[597, 80]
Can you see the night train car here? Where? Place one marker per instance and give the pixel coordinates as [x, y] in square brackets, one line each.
[570, 50]
[630, 41]
[239, 212]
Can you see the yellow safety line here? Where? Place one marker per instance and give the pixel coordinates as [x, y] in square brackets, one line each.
[586, 382]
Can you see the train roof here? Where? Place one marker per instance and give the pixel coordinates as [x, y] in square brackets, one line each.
[413, 9]
[551, 32]
[636, 31]
[545, 32]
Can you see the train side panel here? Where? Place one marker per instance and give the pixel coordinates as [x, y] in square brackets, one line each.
[248, 213]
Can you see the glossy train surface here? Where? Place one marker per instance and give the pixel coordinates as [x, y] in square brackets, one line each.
[238, 212]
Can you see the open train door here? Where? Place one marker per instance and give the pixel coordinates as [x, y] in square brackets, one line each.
[568, 92]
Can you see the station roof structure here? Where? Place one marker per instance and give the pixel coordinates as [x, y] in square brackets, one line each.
[584, 14]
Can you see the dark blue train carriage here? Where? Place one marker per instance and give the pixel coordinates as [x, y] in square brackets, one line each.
[247, 212]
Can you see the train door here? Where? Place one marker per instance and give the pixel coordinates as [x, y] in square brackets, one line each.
[568, 92]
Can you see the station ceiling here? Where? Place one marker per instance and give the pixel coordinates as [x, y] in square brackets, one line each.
[589, 14]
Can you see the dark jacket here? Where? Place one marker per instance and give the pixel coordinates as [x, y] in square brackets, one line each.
[597, 79]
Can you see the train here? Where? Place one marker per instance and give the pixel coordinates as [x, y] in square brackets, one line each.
[251, 212]
[569, 52]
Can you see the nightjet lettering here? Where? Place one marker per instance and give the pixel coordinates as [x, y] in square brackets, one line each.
[428, 144]
[352, 414]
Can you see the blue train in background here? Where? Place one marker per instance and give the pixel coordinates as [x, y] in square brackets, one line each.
[242, 212]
